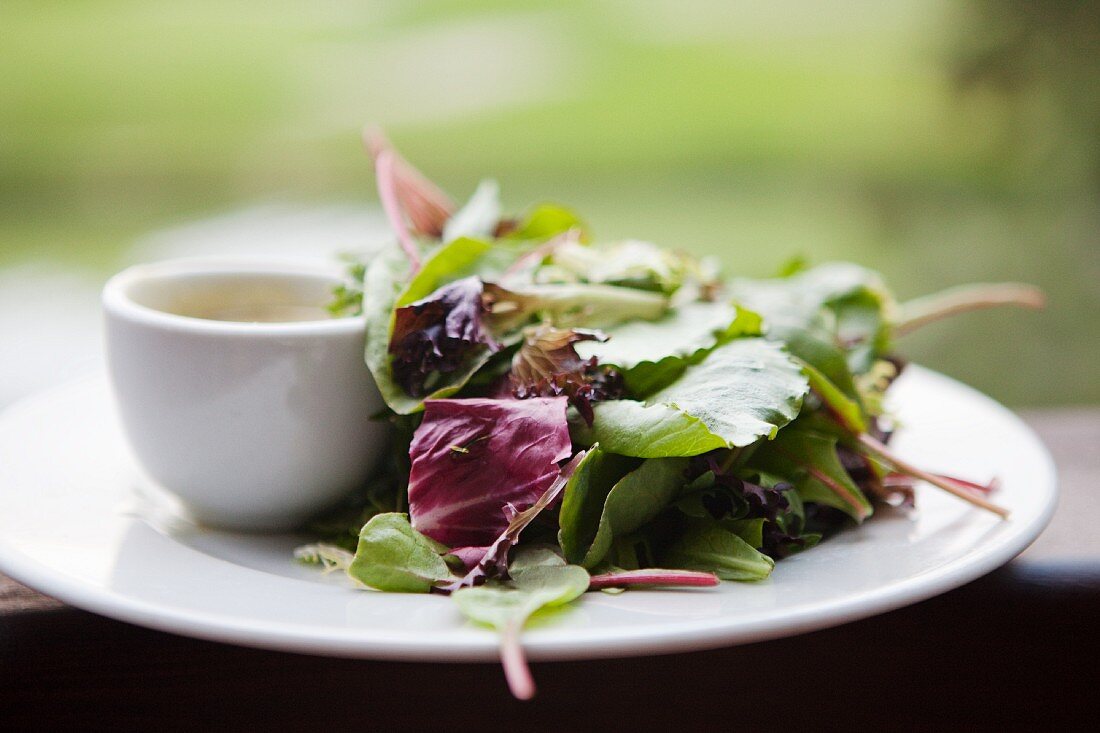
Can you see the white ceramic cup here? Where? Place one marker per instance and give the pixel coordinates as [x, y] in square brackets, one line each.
[253, 425]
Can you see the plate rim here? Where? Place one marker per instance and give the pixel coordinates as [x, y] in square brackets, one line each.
[637, 641]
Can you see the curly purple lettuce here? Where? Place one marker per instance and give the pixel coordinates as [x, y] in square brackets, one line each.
[547, 365]
[436, 334]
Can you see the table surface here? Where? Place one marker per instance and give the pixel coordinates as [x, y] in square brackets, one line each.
[1013, 650]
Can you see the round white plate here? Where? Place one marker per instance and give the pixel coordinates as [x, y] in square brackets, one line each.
[80, 523]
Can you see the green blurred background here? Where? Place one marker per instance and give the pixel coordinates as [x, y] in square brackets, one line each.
[940, 142]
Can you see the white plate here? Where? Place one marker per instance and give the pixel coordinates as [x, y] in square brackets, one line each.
[78, 522]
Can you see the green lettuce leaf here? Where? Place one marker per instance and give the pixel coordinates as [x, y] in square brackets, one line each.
[583, 499]
[711, 547]
[634, 500]
[742, 391]
[636, 429]
[392, 556]
[652, 354]
[834, 316]
[806, 457]
[538, 585]
[846, 409]
[532, 589]
[545, 221]
[750, 530]
[629, 263]
[581, 305]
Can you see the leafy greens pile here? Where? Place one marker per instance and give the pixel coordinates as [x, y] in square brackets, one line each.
[572, 417]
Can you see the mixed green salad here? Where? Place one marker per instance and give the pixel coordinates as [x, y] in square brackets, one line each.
[569, 416]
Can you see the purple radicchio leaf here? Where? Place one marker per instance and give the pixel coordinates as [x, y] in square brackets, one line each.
[437, 333]
[494, 561]
[548, 365]
[471, 458]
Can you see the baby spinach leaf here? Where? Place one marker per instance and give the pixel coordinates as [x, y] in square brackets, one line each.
[631, 428]
[500, 604]
[583, 499]
[635, 500]
[742, 391]
[834, 316]
[651, 354]
[710, 547]
[750, 530]
[392, 556]
[507, 607]
[808, 459]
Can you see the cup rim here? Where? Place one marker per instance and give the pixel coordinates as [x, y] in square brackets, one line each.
[117, 302]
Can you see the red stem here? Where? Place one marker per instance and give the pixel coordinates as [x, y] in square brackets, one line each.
[514, 662]
[652, 577]
[950, 486]
[847, 496]
[972, 485]
[385, 172]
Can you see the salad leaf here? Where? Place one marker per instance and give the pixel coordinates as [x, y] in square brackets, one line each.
[651, 354]
[547, 365]
[472, 457]
[788, 534]
[434, 336]
[406, 194]
[572, 305]
[546, 221]
[385, 288]
[446, 263]
[744, 390]
[635, 500]
[710, 547]
[329, 557]
[405, 190]
[583, 500]
[479, 217]
[494, 559]
[845, 409]
[392, 556]
[834, 316]
[629, 263]
[636, 429]
[507, 607]
[808, 459]
[750, 530]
